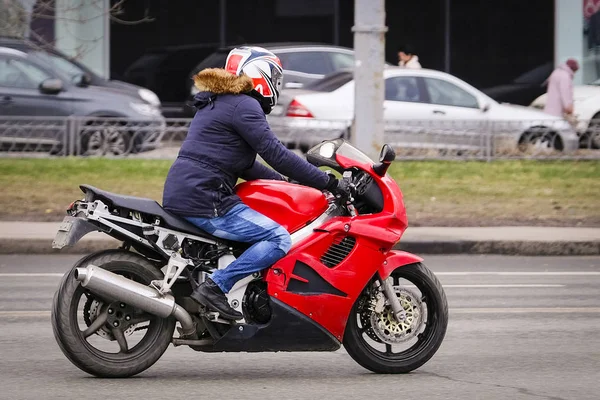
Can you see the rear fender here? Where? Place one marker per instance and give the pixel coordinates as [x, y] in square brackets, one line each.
[71, 230]
[395, 259]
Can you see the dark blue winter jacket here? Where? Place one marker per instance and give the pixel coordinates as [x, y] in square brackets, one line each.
[227, 132]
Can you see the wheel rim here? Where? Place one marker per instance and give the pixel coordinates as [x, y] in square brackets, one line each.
[113, 331]
[393, 341]
[108, 140]
[115, 142]
[541, 141]
[95, 144]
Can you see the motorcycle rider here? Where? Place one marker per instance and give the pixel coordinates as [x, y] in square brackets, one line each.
[229, 129]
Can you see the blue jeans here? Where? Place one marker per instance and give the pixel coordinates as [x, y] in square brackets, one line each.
[243, 224]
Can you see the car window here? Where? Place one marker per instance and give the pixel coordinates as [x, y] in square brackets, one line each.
[331, 82]
[62, 65]
[448, 94]
[215, 60]
[309, 62]
[341, 60]
[403, 88]
[19, 74]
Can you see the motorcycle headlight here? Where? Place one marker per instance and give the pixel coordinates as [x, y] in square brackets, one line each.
[145, 109]
[149, 97]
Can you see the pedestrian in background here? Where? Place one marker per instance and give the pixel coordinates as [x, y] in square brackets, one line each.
[559, 98]
[407, 58]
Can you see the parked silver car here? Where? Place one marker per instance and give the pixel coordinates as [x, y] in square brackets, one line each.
[423, 109]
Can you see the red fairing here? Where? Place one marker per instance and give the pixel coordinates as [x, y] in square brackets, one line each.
[292, 206]
[397, 259]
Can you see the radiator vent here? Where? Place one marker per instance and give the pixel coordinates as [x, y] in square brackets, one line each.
[338, 251]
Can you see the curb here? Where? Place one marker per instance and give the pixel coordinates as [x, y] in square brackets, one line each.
[501, 247]
[522, 248]
[44, 246]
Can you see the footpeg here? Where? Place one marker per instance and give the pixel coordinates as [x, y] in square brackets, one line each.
[214, 316]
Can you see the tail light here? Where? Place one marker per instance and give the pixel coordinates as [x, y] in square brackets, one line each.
[297, 109]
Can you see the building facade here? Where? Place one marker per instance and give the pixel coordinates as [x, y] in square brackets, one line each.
[485, 43]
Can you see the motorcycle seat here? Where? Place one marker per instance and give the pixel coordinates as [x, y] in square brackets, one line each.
[146, 206]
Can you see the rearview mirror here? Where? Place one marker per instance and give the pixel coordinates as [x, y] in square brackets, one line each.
[51, 86]
[387, 154]
[386, 157]
[485, 107]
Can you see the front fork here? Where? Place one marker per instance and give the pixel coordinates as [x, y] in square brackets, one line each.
[388, 290]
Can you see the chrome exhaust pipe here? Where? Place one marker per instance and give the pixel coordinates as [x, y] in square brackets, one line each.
[146, 298]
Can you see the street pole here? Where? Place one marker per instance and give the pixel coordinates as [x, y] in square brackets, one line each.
[447, 32]
[369, 48]
[222, 23]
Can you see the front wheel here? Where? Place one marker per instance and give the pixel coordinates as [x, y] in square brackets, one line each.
[378, 342]
[109, 339]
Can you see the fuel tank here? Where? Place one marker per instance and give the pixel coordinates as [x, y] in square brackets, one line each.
[290, 205]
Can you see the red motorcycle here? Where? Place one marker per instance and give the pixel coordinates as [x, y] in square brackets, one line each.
[116, 311]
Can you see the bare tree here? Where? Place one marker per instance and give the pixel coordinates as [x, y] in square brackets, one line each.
[16, 17]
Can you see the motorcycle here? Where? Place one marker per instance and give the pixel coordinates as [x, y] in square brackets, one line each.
[115, 312]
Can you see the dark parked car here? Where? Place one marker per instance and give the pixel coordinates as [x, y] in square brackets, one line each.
[32, 87]
[78, 73]
[168, 71]
[524, 89]
[303, 63]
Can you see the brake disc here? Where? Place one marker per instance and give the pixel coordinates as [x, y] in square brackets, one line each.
[90, 312]
[391, 331]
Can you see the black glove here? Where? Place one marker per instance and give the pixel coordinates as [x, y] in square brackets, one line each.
[336, 186]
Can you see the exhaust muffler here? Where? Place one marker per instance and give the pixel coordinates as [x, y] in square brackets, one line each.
[146, 298]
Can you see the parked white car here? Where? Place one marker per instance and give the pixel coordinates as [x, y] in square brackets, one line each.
[586, 113]
[422, 109]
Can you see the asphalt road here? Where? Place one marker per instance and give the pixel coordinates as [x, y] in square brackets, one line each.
[520, 328]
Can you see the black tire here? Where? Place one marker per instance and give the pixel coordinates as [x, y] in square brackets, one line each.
[590, 139]
[70, 337]
[540, 137]
[426, 346]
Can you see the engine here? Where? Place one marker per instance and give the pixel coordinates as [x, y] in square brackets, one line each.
[256, 304]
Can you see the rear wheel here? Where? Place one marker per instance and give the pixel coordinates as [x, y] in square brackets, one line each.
[109, 339]
[378, 342]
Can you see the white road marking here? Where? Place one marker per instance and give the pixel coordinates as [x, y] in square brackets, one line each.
[29, 275]
[542, 310]
[519, 273]
[549, 310]
[443, 273]
[24, 314]
[523, 285]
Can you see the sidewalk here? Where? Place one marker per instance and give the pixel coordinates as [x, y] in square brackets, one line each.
[36, 238]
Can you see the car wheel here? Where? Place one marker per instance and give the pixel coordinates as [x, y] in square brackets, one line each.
[99, 138]
[591, 138]
[540, 138]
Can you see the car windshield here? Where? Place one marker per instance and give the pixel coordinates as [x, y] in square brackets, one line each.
[61, 65]
[536, 76]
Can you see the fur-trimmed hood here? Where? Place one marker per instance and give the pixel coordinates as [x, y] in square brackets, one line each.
[219, 81]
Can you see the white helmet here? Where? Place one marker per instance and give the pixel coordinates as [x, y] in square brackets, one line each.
[263, 67]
